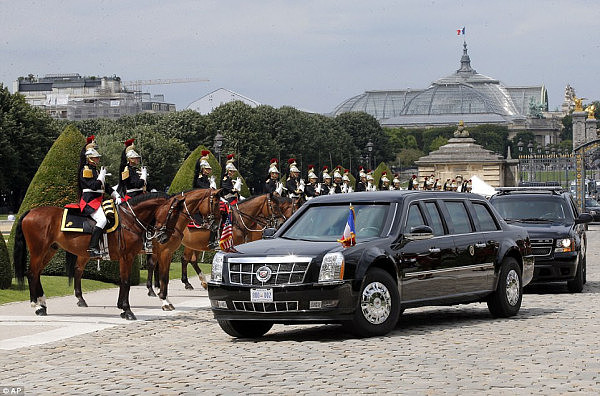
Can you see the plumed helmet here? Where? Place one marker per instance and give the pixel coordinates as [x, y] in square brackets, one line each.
[337, 173]
[361, 172]
[293, 166]
[326, 174]
[230, 166]
[396, 180]
[90, 147]
[204, 164]
[311, 172]
[346, 177]
[130, 149]
[273, 166]
[384, 178]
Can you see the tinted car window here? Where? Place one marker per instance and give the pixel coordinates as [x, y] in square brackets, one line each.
[327, 223]
[415, 218]
[486, 221]
[551, 208]
[459, 217]
[436, 220]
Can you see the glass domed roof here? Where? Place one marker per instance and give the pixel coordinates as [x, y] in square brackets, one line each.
[463, 94]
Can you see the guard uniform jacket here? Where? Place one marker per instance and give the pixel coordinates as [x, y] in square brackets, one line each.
[270, 186]
[228, 193]
[291, 186]
[131, 182]
[202, 181]
[360, 186]
[310, 190]
[325, 189]
[92, 189]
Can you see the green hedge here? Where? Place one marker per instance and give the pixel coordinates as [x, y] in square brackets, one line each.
[6, 271]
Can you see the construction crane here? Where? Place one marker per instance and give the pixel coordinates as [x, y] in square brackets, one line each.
[137, 84]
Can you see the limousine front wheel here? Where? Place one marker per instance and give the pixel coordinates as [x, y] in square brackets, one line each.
[506, 300]
[378, 306]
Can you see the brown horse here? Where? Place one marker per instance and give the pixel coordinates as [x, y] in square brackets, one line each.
[249, 218]
[39, 229]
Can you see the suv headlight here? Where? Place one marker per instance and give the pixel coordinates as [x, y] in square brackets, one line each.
[216, 273]
[332, 267]
[564, 245]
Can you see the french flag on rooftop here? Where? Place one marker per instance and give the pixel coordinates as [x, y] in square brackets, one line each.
[349, 236]
[460, 31]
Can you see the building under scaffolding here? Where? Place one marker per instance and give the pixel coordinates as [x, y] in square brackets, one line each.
[73, 97]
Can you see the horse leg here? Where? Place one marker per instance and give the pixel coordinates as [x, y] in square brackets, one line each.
[163, 269]
[199, 271]
[156, 280]
[185, 258]
[36, 291]
[125, 264]
[81, 262]
[150, 264]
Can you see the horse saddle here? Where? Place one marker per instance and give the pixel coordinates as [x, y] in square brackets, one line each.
[75, 221]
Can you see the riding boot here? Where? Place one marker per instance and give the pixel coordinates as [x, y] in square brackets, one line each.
[94, 249]
[212, 240]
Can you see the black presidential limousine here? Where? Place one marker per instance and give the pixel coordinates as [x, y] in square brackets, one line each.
[413, 248]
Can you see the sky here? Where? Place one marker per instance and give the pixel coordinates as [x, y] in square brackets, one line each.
[311, 55]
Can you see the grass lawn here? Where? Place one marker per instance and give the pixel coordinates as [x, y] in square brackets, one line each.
[59, 285]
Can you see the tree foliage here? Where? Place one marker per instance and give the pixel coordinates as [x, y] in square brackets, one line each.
[26, 134]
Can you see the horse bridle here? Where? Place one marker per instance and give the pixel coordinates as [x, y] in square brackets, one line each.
[211, 208]
[151, 232]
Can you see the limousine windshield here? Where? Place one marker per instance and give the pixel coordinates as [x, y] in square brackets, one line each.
[326, 223]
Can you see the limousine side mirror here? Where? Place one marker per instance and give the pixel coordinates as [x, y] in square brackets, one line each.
[584, 218]
[420, 232]
[268, 233]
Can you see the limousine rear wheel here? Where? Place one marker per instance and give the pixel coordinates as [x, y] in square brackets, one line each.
[378, 307]
[245, 328]
[506, 300]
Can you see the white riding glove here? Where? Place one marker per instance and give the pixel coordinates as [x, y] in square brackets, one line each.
[213, 184]
[238, 185]
[144, 174]
[102, 174]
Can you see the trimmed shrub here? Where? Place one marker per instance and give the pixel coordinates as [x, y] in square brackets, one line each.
[184, 178]
[6, 271]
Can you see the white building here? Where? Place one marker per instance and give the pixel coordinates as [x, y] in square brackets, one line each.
[211, 101]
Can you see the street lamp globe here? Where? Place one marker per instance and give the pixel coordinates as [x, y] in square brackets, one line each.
[218, 143]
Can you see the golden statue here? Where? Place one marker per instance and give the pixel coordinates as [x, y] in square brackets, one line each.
[461, 132]
[590, 110]
[578, 106]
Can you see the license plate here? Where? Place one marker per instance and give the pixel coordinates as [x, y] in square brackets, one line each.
[261, 295]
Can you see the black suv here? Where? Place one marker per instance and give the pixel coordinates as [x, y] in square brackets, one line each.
[556, 229]
[413, 248]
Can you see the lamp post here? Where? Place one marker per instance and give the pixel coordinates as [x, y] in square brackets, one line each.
[369, 151]
[530, 150]
[218, 143]
[520, 148]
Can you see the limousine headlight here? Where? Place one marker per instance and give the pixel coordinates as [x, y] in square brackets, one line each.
[216, 273]
[565, 245]
[332, 267]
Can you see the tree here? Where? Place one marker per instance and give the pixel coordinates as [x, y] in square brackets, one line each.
[26, 134]
[437, 143]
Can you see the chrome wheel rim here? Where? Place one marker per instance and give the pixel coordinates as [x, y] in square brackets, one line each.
[376, 303]
[512, 287]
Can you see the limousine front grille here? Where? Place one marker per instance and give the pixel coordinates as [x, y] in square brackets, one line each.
[283, 271]
[276, 306]
[542, 247]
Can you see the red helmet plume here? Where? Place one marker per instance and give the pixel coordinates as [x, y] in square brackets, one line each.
[205, 153]
[129, 142]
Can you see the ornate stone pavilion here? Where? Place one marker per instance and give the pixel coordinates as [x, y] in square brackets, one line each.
[461, 156]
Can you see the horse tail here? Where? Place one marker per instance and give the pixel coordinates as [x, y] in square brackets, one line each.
[20, 251]
[70, 261]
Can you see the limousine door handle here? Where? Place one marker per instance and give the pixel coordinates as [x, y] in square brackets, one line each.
[434, 250]
[480, 245]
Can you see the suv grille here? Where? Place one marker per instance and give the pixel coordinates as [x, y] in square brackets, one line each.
[284, 270]
[542, 247]
[277, 306]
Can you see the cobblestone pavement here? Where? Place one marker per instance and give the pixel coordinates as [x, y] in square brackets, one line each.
[551, 347]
